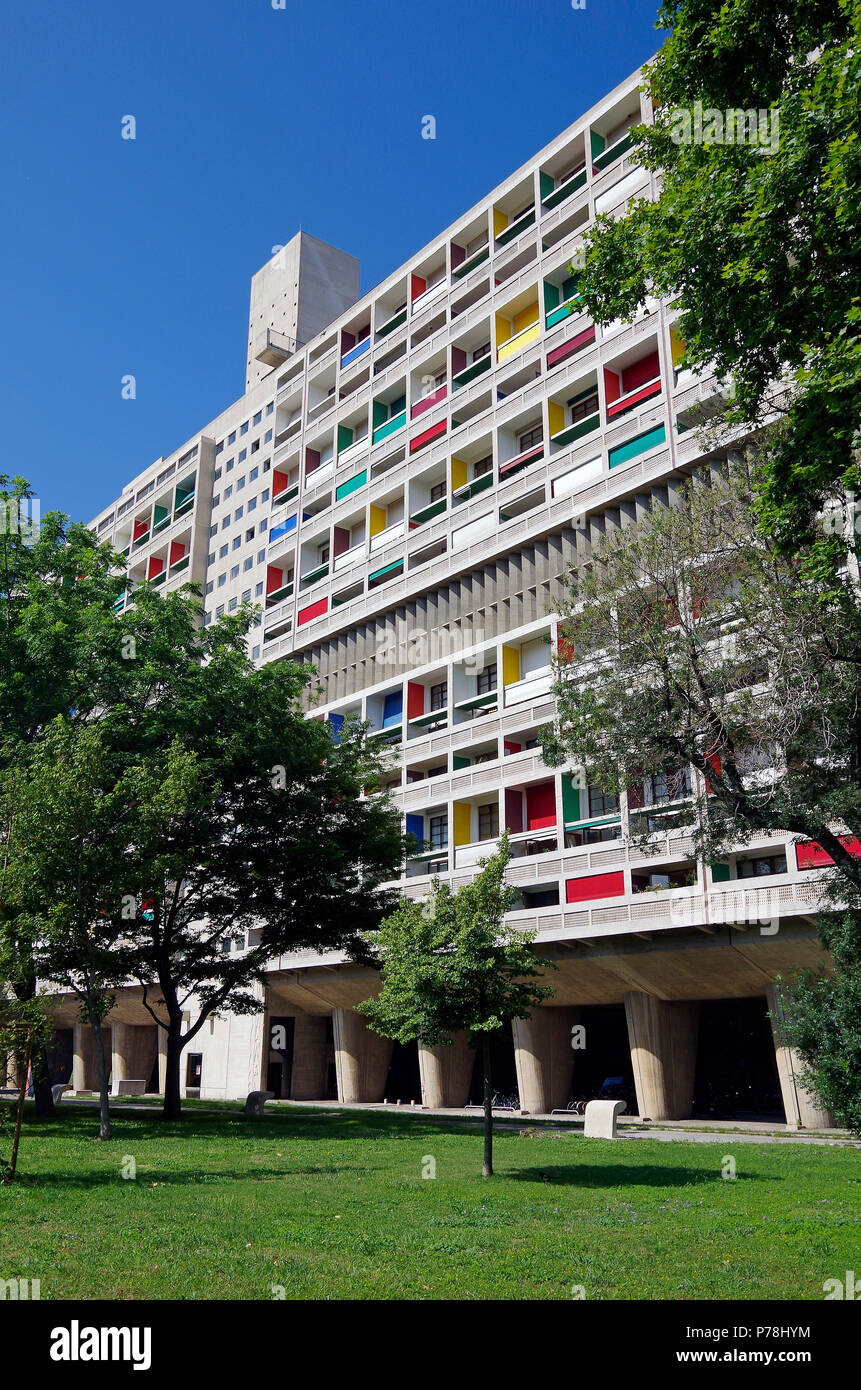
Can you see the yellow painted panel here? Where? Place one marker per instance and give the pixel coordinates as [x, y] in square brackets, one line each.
[377, 520]
[677, 346]
[525, 317]
[500, 221]
[510, 665]
[462, 823]
[556, 417]
[459, 474]
[518, 344]
[503, 329]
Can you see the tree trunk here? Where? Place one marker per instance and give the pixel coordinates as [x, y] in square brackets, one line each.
[487, 1165]
[172, 1094]
[102, 1070]
[25, 990]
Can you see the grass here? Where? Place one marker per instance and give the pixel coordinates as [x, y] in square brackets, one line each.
[333, 1205]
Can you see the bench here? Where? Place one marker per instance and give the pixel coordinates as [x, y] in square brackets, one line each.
[601, 1118]
[130, 1088]
[256, 1101]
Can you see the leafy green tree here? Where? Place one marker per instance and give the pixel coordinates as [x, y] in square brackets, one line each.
[454, 963]
[59, 655]
[758, 244]
[698, 652]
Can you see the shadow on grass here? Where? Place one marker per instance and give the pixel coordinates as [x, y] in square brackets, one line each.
[623, 1175]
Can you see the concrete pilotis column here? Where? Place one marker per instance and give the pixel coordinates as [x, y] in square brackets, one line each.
[801, 1106]
[120, 1047]
[446, 1073]
[544, 1058]
[84, 1077]
[663, 1040]
[361, 1058]
[309, 1058]
[162, 1060]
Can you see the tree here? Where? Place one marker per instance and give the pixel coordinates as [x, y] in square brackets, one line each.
[702, 661]
[209, 827]
[58, 656]
[454, 963]
[756, 242]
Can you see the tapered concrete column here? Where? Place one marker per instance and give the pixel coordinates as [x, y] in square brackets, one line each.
[84, 1075]
[446, 1073]
[803, 1110]
[120, 1045]
[663, 1039]
[309, 1058]
[361, 1058]
[544, 1058]
[162, 1060]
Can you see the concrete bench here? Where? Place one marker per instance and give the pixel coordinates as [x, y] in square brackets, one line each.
[58, 1092]
[130, 1088]
[256, 1101]
[601, 1118]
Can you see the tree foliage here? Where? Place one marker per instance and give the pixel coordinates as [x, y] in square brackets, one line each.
[758, 245]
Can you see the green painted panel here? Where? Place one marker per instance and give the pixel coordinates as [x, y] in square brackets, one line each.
[551, 296]
[570, 799]
[344, 489]
[597, 143]
[345, 437]
[720, 873]
[377, 574]
[558, 315]
[380, 414]
[640, 444]
[546, 183]
[458, 761]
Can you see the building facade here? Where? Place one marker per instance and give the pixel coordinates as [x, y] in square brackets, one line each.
[402, 489]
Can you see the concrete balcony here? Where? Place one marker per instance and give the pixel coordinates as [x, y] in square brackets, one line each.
[272, 348]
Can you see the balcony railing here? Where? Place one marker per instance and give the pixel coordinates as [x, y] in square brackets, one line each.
[518, 342]
[354, 352]
[524, 219]
[577, 429]
[614, 151]
[471, 372]
[471, 262]
[388, 427]
[631, 398]
[564, 190]
[429, 512]
[313, 576]
[514, 465]
[384, 538]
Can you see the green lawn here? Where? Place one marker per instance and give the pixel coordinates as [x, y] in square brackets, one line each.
[333, 1204]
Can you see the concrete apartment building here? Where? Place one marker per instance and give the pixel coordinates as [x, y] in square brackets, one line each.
[401, 489]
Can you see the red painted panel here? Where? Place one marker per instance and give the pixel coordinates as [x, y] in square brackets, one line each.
[312, 611]
[511, 747]
[640, 372]
[427, 401]
[415, 699]
[514, 811]
[312, 460]
[177, 550]
[417, 286]
[612, 385]
[274, 578]
[540, 806]
[279, 483]
[140, 529]
[810, 855]
[629, 401]
[154, 567]
[427, 436]
[583, 890]
[567, 349]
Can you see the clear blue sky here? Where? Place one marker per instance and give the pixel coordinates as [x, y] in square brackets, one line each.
[124, 256]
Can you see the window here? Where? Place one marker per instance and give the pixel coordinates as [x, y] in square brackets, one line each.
[243, 455]
[483, 466]
[258, 591]
[246, 597]
[270, 407]
[216, 498]
[210, 559]
[230, 463]
[439, 695]
[437, 492]
[219, 612]
[252, 505]
[216, 475]
[529, 438]
[240, 483]
[261, 556]
[258, 417]
[255, 446]
[486, 680]
[231, 438]
[248, 564]
[267, 439]
[324, 555]
[587, 406]
[255, 654]
[261, 526]
[488, 821]
[207, 619]
[223, 551]
[213, 530]
[438, 827]
[237, 541]
[222, 580]
[483, 351]
[264, 496]
[243, 429]
[233, 605]
[238, 514]
[253, 474]
[761, 866]
[249, 534]
[234, 573]
[602, 803]
[228, 492]
[219, 447]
